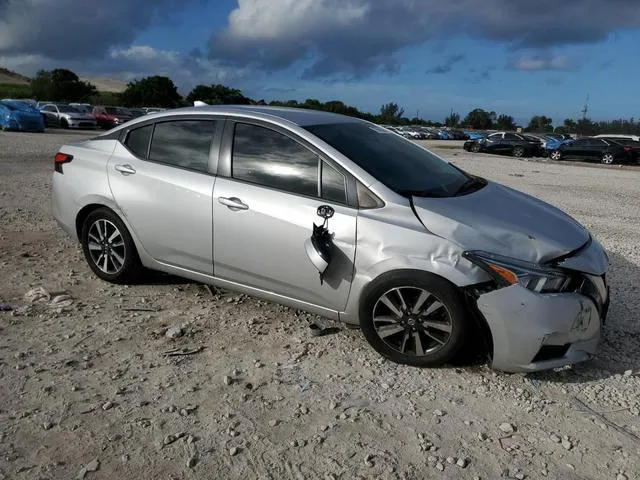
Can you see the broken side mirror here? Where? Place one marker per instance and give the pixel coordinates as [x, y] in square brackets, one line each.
[318, 246]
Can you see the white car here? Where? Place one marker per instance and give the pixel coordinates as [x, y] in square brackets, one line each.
[635, 138]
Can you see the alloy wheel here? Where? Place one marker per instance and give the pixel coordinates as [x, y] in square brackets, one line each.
[106, 246]
[518, 152]
[556, 155]
[607, 158]
[412, 321]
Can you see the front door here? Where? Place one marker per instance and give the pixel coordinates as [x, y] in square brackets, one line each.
[161, 180]
[265, 210]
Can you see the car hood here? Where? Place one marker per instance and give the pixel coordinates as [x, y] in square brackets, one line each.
[500, 220]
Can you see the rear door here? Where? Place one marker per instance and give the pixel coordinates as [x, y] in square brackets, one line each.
[494, 143]
[597, 148]
[265, 203]
[576, 149]
[161, 176]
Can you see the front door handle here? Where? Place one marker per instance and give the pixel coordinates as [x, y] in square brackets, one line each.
[125, 169]
[234, 203]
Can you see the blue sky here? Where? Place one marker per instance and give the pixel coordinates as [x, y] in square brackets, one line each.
[428, 56]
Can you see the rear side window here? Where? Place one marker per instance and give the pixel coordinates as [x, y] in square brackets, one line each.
[269, 158]
[138, 141]
[183, 143]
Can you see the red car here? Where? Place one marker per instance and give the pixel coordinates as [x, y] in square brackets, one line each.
[109, 117]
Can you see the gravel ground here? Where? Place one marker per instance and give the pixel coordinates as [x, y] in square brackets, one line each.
[92, 387]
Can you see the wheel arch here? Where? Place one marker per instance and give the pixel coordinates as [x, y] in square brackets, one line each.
[468, 296]
[92, 204]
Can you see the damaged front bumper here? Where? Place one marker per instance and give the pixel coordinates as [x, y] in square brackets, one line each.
[533, 331]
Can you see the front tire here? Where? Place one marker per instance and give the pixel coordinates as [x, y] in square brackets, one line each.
[64, 124]
[556, 155]
[414, 318]
[518, 152]
[475, 148]
[108, 247]
[607, 159]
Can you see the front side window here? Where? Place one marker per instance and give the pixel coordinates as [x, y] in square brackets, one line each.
[400, 164]
[183, 143]
[269, 158]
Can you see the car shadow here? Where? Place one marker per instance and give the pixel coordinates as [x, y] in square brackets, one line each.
[152, 277]
[619, 349]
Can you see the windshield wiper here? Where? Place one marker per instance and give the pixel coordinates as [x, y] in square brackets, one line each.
[471, 184]
[420, 193]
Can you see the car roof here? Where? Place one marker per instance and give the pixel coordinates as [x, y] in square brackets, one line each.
[298, 116]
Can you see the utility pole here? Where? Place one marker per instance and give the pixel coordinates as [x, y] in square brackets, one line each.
[585, 109]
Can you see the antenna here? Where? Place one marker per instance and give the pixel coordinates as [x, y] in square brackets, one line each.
[585, 109]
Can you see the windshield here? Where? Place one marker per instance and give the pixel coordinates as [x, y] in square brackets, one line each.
[116, 111]
[9, 105]
[67, 109]
[400, 164]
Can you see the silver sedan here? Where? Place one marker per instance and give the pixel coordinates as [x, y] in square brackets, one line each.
[66, 116]
[342, 218]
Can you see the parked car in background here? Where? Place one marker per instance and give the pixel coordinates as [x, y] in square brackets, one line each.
[109, 117]
[153, 109]
[561, 137]
[474, 135]
[32, 103]
[83, 107]
[136, 112]
[42, 103]
[506, 143]
[66, 116]
[633, 144]
[339, 217]
[549, 144]
[457, 135]
[588, 149]
[21, 116]
[619, 136]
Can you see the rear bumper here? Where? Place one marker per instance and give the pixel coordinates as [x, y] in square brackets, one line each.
[532, 331]
[63, 207]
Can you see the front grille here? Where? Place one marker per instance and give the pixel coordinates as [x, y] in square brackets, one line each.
[551, 352]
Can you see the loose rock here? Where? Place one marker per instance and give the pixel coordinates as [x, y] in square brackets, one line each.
[507, 427]
[173, 332]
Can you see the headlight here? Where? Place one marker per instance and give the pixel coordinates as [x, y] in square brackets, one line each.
[508, 271]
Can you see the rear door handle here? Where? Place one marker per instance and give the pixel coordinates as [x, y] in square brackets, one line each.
[125, 169]
[234, 203]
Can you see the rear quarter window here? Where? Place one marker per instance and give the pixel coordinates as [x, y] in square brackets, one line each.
[138, 141]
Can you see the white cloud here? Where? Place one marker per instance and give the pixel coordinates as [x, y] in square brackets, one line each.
[534, 63]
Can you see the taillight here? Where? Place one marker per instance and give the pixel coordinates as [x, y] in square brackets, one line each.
[627, 148]
[59, 159]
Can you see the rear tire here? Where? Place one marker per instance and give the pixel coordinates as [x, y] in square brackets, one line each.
[427, 331]
[108, 247]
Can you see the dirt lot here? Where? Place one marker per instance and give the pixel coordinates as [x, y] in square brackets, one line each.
[88, 390]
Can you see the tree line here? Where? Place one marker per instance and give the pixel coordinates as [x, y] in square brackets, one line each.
[160, 91]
